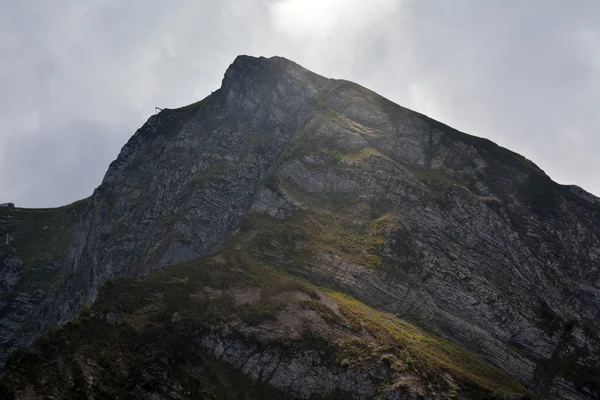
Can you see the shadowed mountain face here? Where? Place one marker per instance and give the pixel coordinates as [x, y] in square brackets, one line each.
[336, 221]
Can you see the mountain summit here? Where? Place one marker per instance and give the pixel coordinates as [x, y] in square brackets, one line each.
[293, 236]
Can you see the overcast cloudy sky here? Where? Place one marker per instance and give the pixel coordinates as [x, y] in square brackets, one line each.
[77, 78]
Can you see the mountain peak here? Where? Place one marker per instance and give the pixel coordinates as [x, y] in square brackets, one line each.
[246, 71]
[264, 201]
[246, 63]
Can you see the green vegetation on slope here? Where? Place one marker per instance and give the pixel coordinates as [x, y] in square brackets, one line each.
[314, 231]
[406, 347]
[143, 335]
[145, 347]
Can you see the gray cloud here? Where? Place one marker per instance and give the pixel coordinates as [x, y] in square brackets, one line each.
[78, 78]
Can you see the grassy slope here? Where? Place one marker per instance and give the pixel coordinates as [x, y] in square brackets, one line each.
[150, 339]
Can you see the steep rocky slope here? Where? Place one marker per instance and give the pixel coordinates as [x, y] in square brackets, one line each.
[32, 267]
[229, 326]
[341, 188]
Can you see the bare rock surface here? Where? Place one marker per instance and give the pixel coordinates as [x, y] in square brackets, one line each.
[412, 217]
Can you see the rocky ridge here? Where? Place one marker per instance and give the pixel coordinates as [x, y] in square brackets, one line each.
[349, 191]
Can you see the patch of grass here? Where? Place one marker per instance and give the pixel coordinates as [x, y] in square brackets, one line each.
[314, 231]
[414, 349]
[326, 313]
[316, 146]
[364, 154]
[187, 289]
[333, 117]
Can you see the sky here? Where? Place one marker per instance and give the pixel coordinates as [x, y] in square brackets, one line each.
[78, 78]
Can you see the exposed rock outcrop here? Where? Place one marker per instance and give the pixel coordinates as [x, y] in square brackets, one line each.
[350, 191]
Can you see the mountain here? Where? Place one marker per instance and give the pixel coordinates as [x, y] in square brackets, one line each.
[293, 236]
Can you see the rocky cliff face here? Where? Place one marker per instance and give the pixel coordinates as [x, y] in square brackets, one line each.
[32, 268]
[231, 326]
[340, 187]
[185, 180]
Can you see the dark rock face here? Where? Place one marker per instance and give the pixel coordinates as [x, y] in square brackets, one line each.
[185, 180]
[484, 247]
[31, 269]
[10, 271]
[489, 250]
